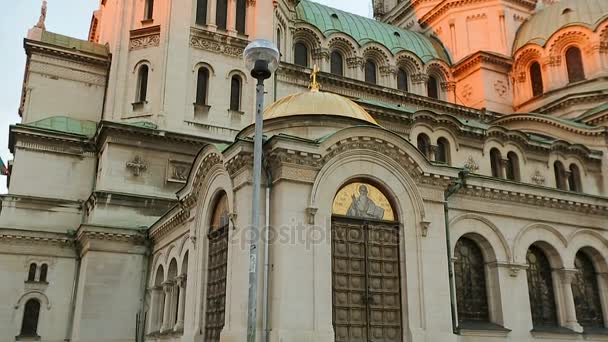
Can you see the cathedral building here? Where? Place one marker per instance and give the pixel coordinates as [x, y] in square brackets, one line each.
[438, 173]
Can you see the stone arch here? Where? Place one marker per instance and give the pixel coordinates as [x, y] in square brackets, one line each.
[140, 63]
[172, 269]
[206, 65]
[546, 237]
[438, 69]
[38, 295]
[578, 36]
[159, 275]
[377, 53]
[344, 44]
[491, 240]
[592, 242]
[409, 62]
[171, 252]
[309, 36]
[239, 73]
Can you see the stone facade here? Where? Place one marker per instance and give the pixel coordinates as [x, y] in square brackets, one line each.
[129, 204]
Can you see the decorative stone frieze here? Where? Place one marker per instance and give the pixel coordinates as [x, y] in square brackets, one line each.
[354, 62]
[144, 38]
[217, 43]
[321, 53]
[177, 171]
[448, 86]
[420, 78]
[500, 87]
[471, 165]
[538, 178]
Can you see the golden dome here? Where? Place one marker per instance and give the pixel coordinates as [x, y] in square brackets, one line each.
[317, 103]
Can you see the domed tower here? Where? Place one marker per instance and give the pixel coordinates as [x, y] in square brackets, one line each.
[561, 59]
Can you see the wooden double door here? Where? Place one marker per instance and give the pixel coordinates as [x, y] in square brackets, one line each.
[366, 281]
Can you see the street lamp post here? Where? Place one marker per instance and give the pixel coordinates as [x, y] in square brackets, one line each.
[262, 58]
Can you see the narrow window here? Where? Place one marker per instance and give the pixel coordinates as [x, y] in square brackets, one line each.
[540, 289]
[512, 166]
[221, 14]
[201, 12]
[202, 83]
[279, 43]
[536, 78]
[43, 271]
[337, 63]
[402, 80]
[431, 87]
[241, 15]
[301, 55]
[142, 84]
[31, 274]
[424, 144]
[31, 311]
[560, 175]
[470, 278]
[443, 151]
[574, 179]
[496, 163]
[149, 10]
[370, 72]
[587, 294]
[574, 64]
[235, 93]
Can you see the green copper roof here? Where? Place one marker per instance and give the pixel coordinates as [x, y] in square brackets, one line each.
[542, 25]
[67, 125]
[593, 111]
[329, 20]
[73, 43]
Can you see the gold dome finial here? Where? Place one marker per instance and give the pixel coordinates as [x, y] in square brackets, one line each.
[314, 85]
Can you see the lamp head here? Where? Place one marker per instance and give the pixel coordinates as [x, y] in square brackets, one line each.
[262, 58]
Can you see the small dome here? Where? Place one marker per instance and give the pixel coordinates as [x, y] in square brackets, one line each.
[317, 103]
[542, 25]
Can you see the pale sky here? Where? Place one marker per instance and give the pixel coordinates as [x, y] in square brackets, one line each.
[68, 17]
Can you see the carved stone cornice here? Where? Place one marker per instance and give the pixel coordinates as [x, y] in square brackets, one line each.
[217, 42]
[447, 5]
[293, 165]
[67, 54]
[480, 58]
[32, 238]
[92, 237]
[546, 201]
[239, 163]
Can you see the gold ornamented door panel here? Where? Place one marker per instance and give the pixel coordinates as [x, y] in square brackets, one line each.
[366, 281]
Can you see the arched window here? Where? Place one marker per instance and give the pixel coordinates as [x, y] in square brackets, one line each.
[536, 78]
[540, 289]
[241, 16]
[560, 175]
[221, 14]
[443, 151]
[235, 93]
[31, 274]
[157, 300]
[432, 87]
[496, 163]
[201, 12]
[202, 85]
[300, 55]
[43, 271]
[470, 277]
[31, 312]
[574, 64]
[424, 144]
[370, 71]
[402, 80]
[512, 166]
[586, 293]
[574, 179]
[280, 43]
[149, 10]
[142, 84]
[337, 63]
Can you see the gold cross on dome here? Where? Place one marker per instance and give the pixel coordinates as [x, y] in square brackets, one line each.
[314, 85]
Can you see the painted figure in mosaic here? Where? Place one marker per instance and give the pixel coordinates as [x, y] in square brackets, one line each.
[363, 206]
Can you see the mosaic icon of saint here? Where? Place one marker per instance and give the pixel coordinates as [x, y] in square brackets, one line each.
[364, 207]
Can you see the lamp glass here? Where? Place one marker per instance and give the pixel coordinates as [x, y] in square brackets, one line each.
[264, 50]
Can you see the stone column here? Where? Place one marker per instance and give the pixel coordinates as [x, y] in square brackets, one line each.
[569, 308]
[504, 164]
[231, 20]
[602, 282]
[211, 13]
[567, 175]
[155, 305]
[167, 288]
[433, 152]
[250, 20]
[181, 283]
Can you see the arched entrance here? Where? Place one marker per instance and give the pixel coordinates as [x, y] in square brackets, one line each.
[217, 259]
[366, 282]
